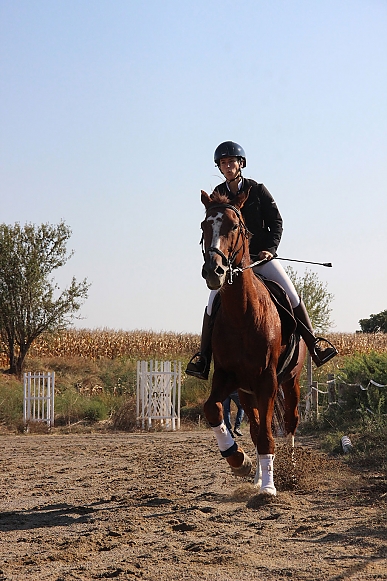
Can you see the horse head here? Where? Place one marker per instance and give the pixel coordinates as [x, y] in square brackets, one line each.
[225, 237]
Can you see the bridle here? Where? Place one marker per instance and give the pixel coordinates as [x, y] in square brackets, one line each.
[243, 235]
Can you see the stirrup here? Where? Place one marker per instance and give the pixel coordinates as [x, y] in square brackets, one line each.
[318, 354]
[200, 368]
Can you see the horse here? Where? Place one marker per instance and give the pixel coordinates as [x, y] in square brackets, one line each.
[247, 341]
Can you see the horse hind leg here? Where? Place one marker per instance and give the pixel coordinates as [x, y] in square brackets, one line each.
[291, 389]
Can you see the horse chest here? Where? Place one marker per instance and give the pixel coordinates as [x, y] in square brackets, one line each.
[236, 346]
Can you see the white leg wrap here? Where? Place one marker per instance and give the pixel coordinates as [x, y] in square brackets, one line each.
[266, 462]
[258, 474]
[223, 437]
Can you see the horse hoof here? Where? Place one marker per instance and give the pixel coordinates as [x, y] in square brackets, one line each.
[268, 490]
[245, 468]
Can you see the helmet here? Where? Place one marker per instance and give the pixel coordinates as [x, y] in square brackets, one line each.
[229, 149]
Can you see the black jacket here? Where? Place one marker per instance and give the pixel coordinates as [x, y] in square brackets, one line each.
[261, 216]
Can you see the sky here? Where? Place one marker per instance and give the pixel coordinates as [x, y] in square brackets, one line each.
[110, 114]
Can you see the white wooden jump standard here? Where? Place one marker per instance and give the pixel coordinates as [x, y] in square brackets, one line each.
[158, 393]
[39, 391]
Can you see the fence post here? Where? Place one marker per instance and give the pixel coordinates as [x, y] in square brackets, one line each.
[309, 371]
[341, 392]
[331, 389]
[315, 397]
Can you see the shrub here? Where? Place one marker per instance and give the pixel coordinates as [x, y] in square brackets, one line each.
[124, 417]
[11, 401]
[365, 397]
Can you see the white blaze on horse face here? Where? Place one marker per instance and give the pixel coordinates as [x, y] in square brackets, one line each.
[216, 223]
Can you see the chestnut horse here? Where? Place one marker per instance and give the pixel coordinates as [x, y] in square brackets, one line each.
[247, 342]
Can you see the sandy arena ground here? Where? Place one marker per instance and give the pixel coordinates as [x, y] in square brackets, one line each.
[164, 506]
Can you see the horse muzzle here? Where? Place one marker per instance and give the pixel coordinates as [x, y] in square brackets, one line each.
[214, 274]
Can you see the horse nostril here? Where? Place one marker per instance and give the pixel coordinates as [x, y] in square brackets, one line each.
[219, 271]
[204, 273]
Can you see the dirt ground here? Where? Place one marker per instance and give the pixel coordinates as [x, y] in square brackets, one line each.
[163, 506]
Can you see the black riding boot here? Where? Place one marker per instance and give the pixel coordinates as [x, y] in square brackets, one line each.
[304, 326]
[199, 366]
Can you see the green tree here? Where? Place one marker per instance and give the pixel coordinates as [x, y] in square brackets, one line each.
[28, 305]
[316, 297]
[375, 323]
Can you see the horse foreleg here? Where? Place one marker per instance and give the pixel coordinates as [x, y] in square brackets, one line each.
[258, 474]
[264, 477]
[238, 460]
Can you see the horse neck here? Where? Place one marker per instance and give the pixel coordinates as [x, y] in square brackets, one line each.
[240, 297]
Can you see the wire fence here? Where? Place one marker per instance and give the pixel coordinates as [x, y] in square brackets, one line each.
[335, 391]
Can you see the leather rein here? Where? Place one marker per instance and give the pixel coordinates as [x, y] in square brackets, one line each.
[228, 261]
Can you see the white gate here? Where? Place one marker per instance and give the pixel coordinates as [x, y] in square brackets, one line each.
[39, 397]
[158, 393]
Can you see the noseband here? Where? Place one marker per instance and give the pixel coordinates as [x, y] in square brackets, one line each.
[243, 233]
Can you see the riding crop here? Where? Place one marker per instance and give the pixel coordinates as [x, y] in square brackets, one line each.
[306, 261]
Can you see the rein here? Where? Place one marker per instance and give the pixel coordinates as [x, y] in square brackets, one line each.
[229, 261]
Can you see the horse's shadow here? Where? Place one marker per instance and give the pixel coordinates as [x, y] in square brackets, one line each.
[49, 516]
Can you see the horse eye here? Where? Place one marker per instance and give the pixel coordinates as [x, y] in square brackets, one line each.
[235, 227]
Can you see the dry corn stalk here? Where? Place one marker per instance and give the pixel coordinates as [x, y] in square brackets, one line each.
[105, 343]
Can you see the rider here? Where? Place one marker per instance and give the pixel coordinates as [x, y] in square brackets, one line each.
[264, 221]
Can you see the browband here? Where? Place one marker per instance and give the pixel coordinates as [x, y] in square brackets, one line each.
[230, 206]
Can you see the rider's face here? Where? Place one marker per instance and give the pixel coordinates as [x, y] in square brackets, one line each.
[230, 167]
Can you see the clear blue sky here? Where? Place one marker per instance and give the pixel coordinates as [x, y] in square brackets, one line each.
[111, 111]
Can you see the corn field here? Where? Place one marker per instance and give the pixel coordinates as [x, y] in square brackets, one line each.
[110, 344]
[350, 343]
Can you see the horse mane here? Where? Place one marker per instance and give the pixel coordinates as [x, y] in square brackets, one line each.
[218, 198]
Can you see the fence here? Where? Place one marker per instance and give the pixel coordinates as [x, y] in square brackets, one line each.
[39, 397]
[158, 394]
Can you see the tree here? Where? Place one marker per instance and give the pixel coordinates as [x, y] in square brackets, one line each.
[316, 297]
[28, 307]
[375, 324]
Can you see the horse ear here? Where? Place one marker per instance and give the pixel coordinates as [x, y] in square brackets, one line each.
[240, 200]
[206, 200]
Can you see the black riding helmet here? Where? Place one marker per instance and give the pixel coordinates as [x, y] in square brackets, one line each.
[229, 149]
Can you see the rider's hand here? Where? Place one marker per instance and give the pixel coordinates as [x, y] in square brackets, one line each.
[265, 255]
